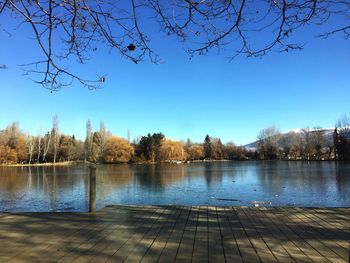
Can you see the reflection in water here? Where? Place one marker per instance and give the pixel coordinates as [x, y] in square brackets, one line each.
[219, 183]
[343, 180]
[43, 188]
[111, 178]
[213, 173]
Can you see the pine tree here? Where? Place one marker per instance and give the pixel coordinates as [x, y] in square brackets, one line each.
[207, 147]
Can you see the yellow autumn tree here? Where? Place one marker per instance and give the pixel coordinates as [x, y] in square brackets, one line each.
[7, 155]
[21, 149]
[172, 150]
[117, 150]
[195, 152]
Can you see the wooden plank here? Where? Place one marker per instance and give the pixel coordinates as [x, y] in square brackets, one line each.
[171, 248]
[314, 231]
[85, 247]
[84, 243]
[257, 241]
[276, 216]
[228, 240]
[140, 238]
[185, 250]
[216, 249]
[316, 250]
[281, 233]
[118, 235]
[182, 234]
[271, 236]
[246, 248]
[336, 236]
[201, 241]
[122, 242]
[150, 250]
[50, 233]
[336, 222]
[340, 236]
[99, 245]
[334, 215]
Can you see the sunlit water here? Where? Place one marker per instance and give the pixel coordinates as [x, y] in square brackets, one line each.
[313, 184]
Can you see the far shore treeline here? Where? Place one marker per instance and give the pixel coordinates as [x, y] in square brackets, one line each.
[17, 147]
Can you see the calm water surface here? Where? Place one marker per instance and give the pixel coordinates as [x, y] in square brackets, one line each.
[314, 184]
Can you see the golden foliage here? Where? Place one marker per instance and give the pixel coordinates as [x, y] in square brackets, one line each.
[21, 149]
[117, 150]
[195, 152]
[172, 150]
[7, 155]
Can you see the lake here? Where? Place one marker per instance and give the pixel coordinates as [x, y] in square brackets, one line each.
[247, 183]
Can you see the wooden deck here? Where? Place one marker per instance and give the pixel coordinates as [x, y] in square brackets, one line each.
[178, 234]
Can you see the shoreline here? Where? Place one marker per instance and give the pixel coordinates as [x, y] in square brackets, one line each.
[70, 163]
[66, 163]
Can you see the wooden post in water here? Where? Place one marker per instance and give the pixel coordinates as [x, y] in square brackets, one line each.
[92, 186]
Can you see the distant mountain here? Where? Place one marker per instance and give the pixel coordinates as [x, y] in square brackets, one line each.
[251, 146]
[327, 131]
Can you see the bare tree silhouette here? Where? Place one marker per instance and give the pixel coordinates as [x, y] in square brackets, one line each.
[66, 29]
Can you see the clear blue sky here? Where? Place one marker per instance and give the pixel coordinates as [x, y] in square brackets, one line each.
[185, 98]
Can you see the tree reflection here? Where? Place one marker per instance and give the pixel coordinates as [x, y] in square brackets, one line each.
[319, 182]
[213, 173]
[66, 188]
[156, 177]
[113, 177]
[343, 181]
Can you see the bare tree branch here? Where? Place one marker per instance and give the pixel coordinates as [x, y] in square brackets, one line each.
[3, 6]
[345, 30]
[67, 30]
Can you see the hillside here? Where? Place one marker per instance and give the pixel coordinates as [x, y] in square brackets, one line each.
[328, 132]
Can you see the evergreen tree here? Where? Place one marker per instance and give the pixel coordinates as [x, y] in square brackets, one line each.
[207, 147]
[149, 146]
[342, 139]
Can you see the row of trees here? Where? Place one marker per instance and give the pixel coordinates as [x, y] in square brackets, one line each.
[156, 148]
[306, 144]
[19, 147]
[103, 147]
